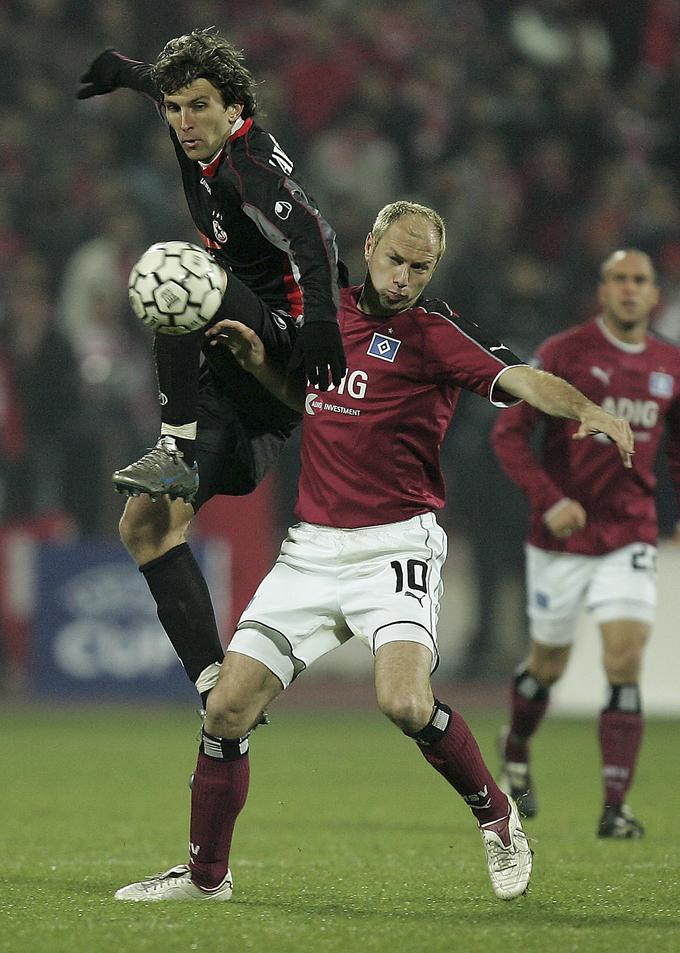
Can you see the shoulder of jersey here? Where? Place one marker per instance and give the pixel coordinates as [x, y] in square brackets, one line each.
[255, 141]
[438, 307]
[663, 341]
[347, 293]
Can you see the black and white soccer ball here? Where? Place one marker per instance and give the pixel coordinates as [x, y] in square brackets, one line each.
[175, 287]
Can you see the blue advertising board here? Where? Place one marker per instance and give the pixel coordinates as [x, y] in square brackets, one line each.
[95, 633]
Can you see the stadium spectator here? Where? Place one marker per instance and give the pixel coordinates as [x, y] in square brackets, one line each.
[593, 528]
[38, 404]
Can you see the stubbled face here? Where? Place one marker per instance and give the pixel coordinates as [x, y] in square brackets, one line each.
[628, 292]
[200, 119]
[400, 264]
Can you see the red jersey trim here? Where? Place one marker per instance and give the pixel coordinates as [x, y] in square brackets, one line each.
[208, 242]
[293, 295]
[210, 169]
[247, 123]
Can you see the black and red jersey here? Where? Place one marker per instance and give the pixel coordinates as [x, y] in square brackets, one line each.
[256, 217]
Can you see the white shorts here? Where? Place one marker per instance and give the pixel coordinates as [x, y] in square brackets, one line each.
[378, 583]
[618, 585]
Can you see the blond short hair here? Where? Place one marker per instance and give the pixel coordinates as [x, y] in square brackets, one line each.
[395, 210]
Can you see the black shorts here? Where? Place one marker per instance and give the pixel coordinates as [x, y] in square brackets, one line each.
[241, 426]
[275, 326]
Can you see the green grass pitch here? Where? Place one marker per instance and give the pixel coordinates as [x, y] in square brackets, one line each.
[349, 842]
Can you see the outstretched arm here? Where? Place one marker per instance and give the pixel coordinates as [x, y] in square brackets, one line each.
[249, 353]
[553, 395]
[112, 70]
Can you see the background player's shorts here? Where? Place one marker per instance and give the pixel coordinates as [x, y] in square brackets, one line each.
[241, 427]
[378, 583]
[618, 585]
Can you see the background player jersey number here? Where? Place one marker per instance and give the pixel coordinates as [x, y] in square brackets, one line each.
[644, 558]
[416, 575]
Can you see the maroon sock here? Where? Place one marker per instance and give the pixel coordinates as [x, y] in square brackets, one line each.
[218, 793]
[620, 737]
[457, 757]
[529, 703]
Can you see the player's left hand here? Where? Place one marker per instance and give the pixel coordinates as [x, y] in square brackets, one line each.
[319, 350]
[596, 420]
[242, 341]
[101, 76]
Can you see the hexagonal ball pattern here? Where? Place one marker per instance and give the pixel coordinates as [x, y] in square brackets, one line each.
[175, 287]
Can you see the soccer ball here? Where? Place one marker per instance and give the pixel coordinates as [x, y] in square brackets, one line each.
[175, 287]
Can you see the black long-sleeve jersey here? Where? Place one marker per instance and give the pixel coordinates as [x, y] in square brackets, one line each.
[256, 217]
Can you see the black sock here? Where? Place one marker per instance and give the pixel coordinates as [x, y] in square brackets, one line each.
[185, 608]
[177, 368]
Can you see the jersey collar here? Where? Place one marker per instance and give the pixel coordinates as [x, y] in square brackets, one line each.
[622, 345]
[241, 127]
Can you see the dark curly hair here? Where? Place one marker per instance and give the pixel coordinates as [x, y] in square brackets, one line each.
[204, 54]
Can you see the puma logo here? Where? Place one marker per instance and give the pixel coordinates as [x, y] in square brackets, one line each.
[601, 375]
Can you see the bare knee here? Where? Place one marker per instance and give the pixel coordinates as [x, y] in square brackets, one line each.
[408, 710]
[623, 646]
[148, 529]
[547, 663]
[229, 717]
[243, 690]
[622, 664]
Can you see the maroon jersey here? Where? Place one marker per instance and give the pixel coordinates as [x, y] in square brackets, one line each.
[638, 382]
[370, 448]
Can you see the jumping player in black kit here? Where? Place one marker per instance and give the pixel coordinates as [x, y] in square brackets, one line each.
[280, 262]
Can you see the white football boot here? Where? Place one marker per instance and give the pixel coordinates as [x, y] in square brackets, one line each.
[508, 854]
[174, 884]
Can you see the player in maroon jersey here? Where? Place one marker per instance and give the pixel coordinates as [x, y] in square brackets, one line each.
[593, 526]
[280, 260]
[365, 559]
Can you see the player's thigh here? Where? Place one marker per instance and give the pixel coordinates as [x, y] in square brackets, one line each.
[275, 327]
[391, 583]
[557, 584]
[624, 585]
[293, 619]
[402, 682]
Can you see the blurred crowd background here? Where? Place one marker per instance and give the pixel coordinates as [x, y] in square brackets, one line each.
[545, 132]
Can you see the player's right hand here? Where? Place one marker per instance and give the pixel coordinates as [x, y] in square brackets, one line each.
[242, 341]
[102, 75]
[597, 420]
[565, 518]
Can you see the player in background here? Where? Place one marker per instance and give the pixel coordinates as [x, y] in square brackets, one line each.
[365, 559]
[593, 528]
[281, 268]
